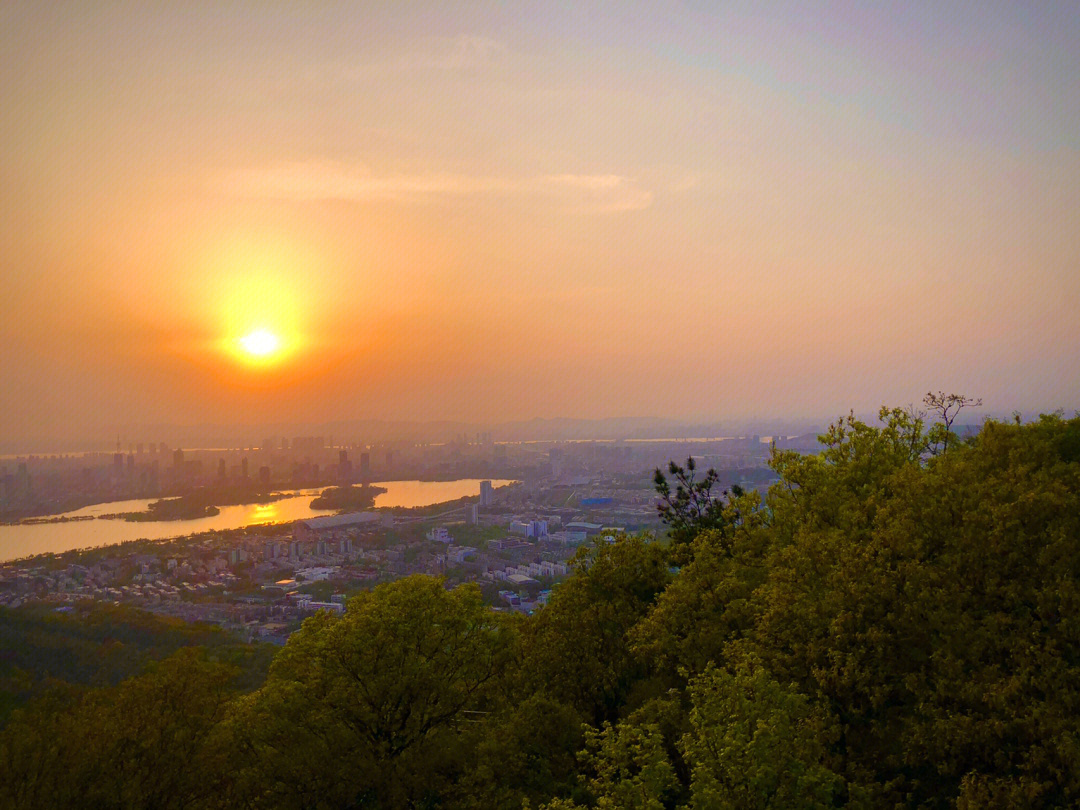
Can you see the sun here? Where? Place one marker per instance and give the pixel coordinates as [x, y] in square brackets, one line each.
[260, 343]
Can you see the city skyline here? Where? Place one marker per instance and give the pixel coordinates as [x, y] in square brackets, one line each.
[249, 215]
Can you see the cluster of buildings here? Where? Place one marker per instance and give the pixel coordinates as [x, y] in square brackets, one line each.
[262, 585]
[36, 485]
[514, 542]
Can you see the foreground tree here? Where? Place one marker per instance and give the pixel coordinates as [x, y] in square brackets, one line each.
[151, 742]
[694, 506]
[379, 707]
[756, 744]
[577, 649]
[924, 603]
[946, 407]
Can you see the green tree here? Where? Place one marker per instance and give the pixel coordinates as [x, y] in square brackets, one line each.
[693, 506]
[946, 407]
[150, 742]
[755, 744]
[380, 707]
[922, 601]
[709, 604]
[577, 649]
[528, 752]
[629, 770]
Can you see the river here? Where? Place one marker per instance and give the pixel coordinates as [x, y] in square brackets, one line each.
[24, 541]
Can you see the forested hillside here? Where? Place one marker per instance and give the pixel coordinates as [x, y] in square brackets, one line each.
[102, 645]
[896, 625]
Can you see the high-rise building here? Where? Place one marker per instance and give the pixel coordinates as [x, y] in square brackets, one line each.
[23, 484]
[487, 493]
[308, 444]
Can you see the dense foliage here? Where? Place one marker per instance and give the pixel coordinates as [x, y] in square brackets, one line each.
[897, 624]
[101, 645]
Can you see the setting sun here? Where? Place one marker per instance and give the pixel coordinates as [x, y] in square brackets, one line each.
[260, 343]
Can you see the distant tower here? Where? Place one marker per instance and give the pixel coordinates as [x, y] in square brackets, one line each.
[487, 493]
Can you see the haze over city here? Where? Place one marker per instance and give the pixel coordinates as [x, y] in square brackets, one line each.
[248, 214]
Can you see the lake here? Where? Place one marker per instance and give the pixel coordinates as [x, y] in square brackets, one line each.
[24, 541]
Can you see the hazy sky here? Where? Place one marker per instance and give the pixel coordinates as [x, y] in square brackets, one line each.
[488, 212]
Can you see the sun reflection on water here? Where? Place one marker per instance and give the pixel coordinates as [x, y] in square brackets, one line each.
[264, 513]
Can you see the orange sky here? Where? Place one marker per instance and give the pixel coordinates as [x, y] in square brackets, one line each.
[507, 212]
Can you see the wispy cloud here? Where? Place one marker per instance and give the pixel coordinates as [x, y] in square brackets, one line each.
[311, 181]
[442, 54]
[457, 53]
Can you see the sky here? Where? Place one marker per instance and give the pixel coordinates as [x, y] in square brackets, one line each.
[491, 212]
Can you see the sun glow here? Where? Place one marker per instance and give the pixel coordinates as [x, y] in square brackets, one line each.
[257, 292]
[261, 343]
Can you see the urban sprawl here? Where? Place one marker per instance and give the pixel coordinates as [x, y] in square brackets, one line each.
[514, 541]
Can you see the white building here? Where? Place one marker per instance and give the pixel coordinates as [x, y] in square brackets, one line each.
[529, 528]
[459, 554]
[439, 534]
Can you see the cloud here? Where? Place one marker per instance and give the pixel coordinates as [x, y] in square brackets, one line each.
[458, 53]
[311, 181]
[443, 54]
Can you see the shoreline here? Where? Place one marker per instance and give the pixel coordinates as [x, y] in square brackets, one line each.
[178, 531]
[57, 515]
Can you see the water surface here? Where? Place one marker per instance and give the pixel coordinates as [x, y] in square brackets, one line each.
[24, 541]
